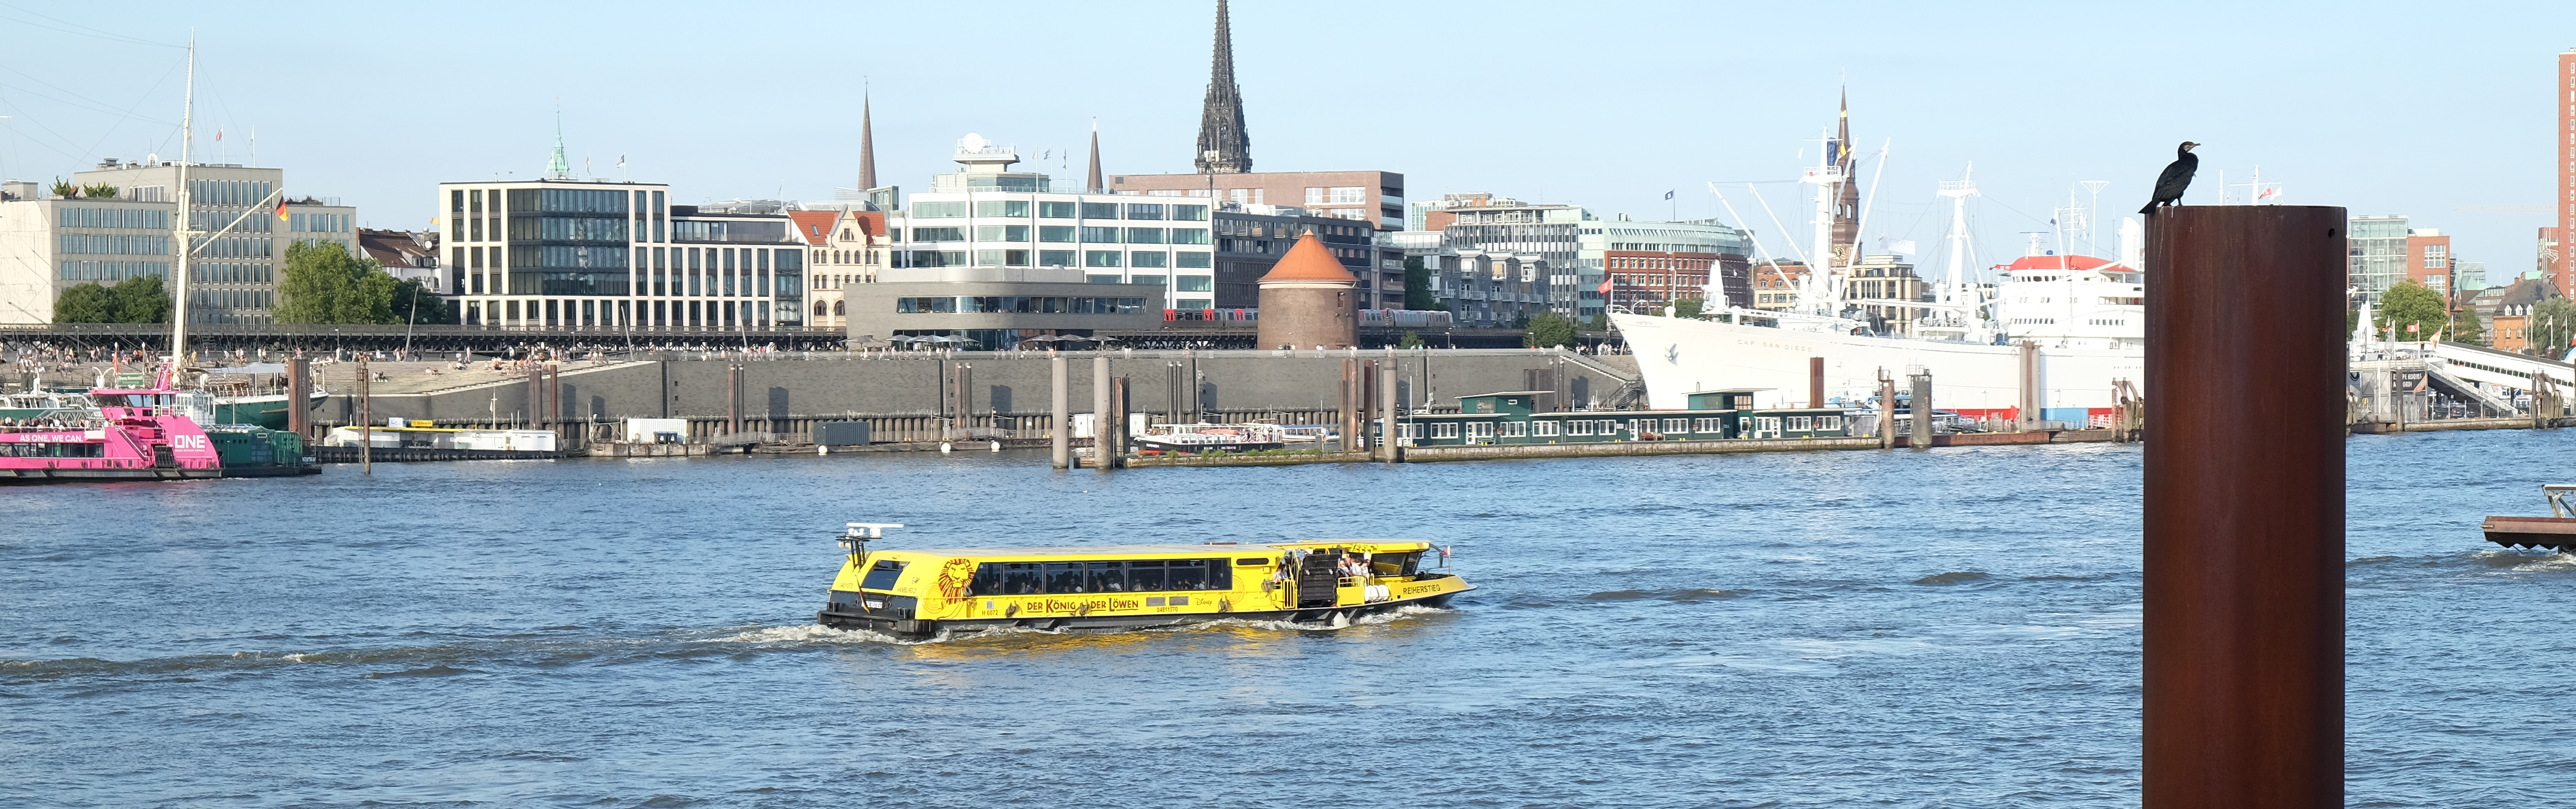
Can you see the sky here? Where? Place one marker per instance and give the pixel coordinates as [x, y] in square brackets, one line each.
[2440, 112]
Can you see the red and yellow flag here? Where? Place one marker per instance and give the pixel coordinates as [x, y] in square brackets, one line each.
[281, 207]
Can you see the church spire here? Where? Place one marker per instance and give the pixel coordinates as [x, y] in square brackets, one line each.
[1092, 183]
[1223, 146]
[867, 144]
[1847, 209]
[560, 168]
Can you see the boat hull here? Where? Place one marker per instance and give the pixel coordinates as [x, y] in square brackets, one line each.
[22, 476]
[1679, 356]
[1322, 617]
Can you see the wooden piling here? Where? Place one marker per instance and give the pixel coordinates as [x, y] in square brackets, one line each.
[1886, 410]
[1100, 416]
[2244, 521]
[1116, 440]
[2026, 411]
[1388, 445]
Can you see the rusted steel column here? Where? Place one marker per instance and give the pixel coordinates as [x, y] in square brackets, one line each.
[299, 410]
[1060, 425]
[1886, 410]
[1100, 415]
[2245, 508]
[1919, 412]
[366, 422]
[2027, 409]
[1815, 381]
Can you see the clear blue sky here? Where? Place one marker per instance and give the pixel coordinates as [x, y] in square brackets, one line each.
[2417, 109]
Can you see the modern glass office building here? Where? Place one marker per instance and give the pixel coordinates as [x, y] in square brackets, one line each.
[985, 215]
[595, 255]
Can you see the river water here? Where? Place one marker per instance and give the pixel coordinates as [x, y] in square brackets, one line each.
[1958, 628]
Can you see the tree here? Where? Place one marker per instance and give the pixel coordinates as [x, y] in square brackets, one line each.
[2410, 304]
[1687, 308]
[2552, 322]
[1598, 323]
[1549, 329]
[323, 284]
[1417, 285]
[1409, 340]
[65, 190]
[85, 303]
[2466, 328]
[133, 300]
[99, 191]
[141, 299]
[414, 303]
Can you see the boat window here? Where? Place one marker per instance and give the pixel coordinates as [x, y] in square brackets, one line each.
[1006, 579]
[1395, 564]
[1253, 561]
[882, 576]
[1064, 577]
[1146, 576]
[1108, 577]
[1220, 577]
[1190, 574]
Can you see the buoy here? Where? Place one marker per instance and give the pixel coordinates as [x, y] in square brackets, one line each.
[997, 446]
[943, 446]
[822, 449]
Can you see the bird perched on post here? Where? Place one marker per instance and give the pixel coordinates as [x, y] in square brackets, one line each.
[2170, 185]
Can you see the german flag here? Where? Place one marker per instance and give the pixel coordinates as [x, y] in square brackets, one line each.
[281, 207]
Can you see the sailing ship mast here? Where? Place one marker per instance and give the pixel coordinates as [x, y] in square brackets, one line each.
[184, 227]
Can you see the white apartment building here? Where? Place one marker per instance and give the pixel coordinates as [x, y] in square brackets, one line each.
[50, 245]
[988, 216]
[233, 278]
[563, 254]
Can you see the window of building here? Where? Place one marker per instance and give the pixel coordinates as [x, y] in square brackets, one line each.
[1055, 233]
[1189, 213]
[1057, 210]
[1189, 236]
[1001, 233]
[1190, 259]
[938, 234]
[1153, 280]
[1549, 427]
[1316, 196]
[1100, 235]
[1103, 279]
[1144, 235]
[1100, 258]
[1143, 259]
[1010, 208]
[938, 210]
[1136, 210]
[1098, 210]
[1055, 258]
[1194, 283]
[1481, 429]
[1446, 429]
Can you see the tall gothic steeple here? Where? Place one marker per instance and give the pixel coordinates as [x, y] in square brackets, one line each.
[1092, 184]
[1221, 122]
[1847, 210]
[867, 145]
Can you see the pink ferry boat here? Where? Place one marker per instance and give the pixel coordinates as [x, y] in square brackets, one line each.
[136, 435]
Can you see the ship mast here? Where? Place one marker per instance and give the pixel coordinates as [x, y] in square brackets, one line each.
[180, 223]
[1827, 177]
[1959, 190]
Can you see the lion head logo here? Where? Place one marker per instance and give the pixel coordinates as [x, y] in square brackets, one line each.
[954, 576]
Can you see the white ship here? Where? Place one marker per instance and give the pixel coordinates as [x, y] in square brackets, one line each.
[2081, 319]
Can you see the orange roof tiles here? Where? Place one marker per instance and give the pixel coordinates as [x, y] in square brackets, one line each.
[815, 226]
[1309, 261]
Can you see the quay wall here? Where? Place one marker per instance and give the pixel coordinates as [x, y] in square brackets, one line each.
[1005, 390]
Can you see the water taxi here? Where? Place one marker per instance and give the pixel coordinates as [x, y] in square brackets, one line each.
[921, 593]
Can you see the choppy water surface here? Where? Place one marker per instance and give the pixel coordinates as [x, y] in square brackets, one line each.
[1957, 629]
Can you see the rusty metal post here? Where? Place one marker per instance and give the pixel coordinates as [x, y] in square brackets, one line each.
[366, 422]
[1919, 410]
[1100, 411]
[1350, 390]
[299, 410]
[2244, 518]
[1388, 445]
[2026, 411]
[733, 398]
[1886, 410]
[1815, 381]
[1116, 440]
[1060, 431]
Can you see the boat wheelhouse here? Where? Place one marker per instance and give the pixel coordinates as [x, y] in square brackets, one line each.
[921, 593]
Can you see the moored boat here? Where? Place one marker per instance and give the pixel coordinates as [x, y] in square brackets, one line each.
[926, 592]
[1198, 438]
[134, 435]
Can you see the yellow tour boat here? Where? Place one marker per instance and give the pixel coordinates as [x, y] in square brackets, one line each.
[921, 593]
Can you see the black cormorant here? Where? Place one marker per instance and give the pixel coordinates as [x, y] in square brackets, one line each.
[2170, 185]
